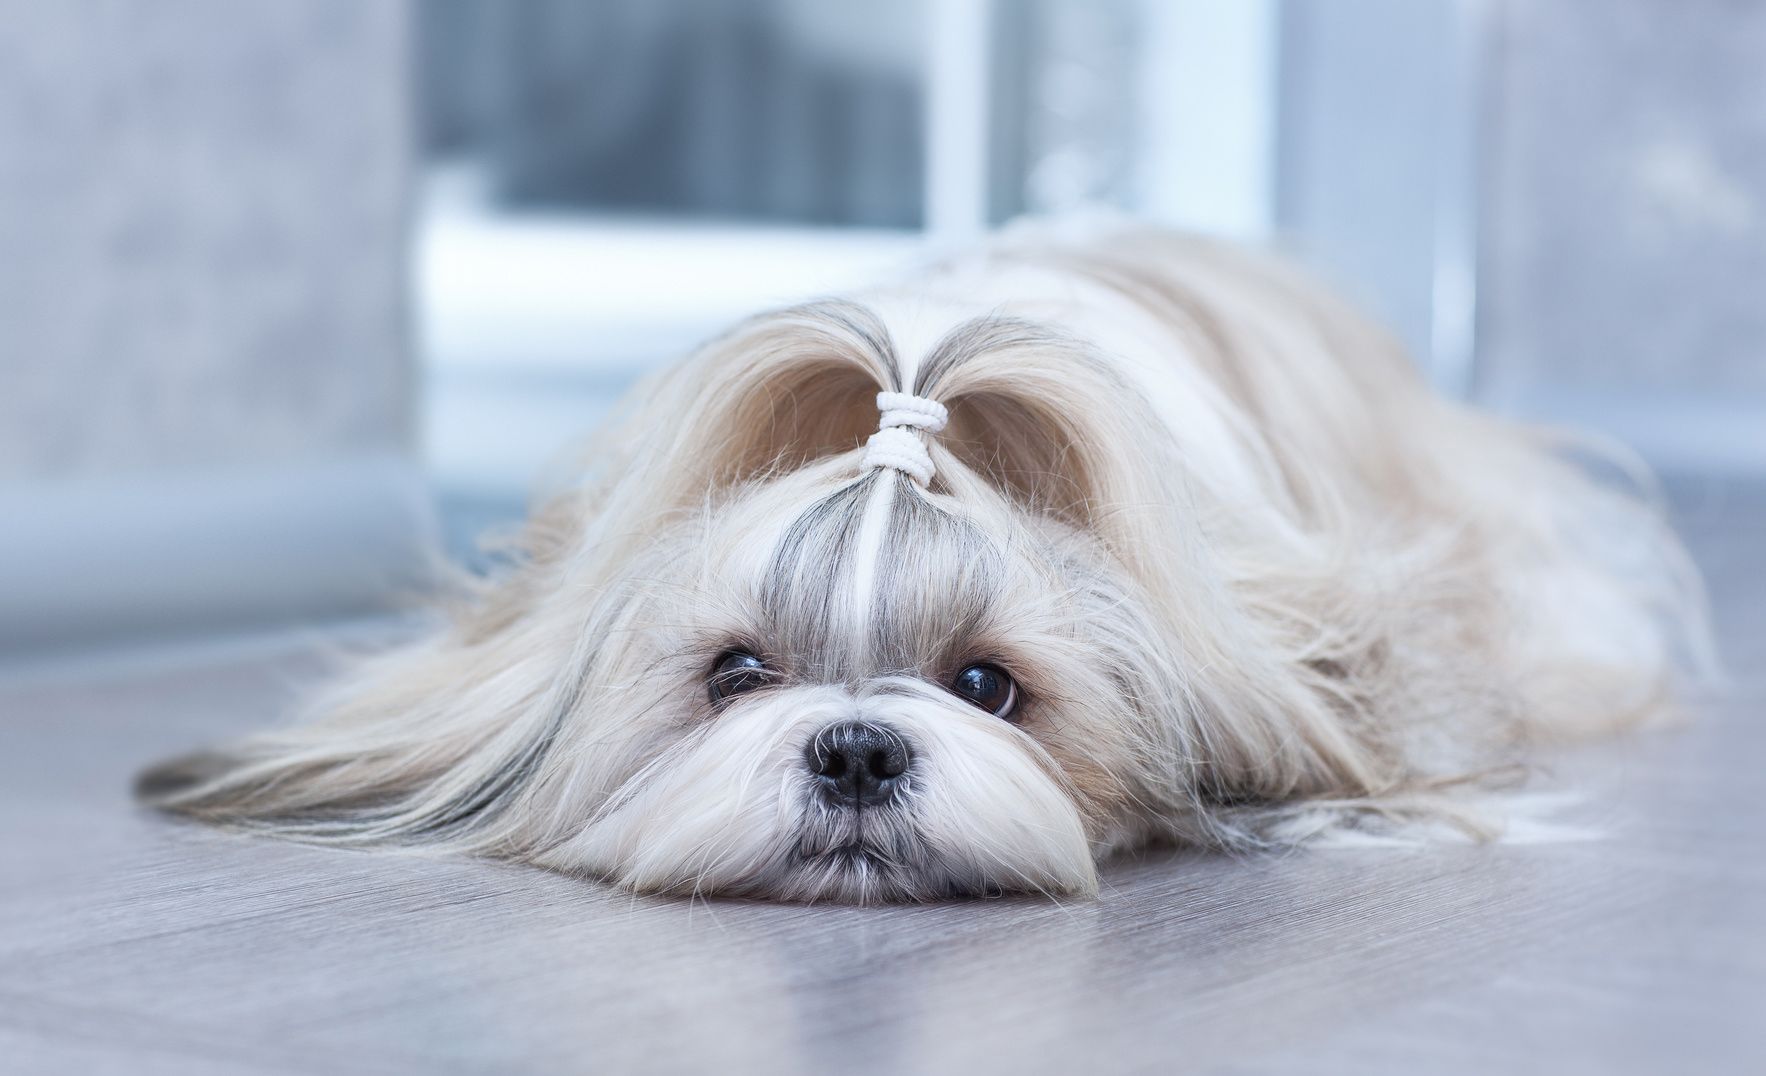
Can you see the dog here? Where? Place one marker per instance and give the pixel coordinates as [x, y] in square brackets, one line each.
[1067, 546]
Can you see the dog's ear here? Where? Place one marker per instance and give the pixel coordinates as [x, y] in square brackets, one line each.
[432, 743]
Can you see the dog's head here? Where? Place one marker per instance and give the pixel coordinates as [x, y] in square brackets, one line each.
[842, 616]
[829, 686]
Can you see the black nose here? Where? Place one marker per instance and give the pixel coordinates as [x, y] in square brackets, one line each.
[858, 763]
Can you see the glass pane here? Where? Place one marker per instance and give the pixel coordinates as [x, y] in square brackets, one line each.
[784, 110]
[1066, 74]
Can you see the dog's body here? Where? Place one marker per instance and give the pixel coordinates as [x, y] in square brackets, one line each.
[1145, 539]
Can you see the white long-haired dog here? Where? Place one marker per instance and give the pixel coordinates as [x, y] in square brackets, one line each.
[959, 585]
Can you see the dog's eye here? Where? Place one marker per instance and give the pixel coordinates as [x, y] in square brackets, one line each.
[989, 687]
[737, 672]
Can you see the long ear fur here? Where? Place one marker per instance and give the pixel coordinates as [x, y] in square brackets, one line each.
[428, 744]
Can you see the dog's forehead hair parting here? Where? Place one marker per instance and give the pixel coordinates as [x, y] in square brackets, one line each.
[878, 506]
[862, 583]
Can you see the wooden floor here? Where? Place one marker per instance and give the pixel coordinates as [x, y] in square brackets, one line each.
[132, 944]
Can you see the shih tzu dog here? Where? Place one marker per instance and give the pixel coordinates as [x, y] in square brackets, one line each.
[957, 586]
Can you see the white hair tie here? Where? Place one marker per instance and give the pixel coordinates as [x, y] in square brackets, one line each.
[901, 409]
[894, 445]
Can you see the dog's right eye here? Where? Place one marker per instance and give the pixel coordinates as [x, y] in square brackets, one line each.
[737, 672]
[989, 687]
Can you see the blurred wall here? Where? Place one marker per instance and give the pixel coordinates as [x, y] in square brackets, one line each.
[1623, 269]
[201, 212]
[1376, 162]
[204, 383]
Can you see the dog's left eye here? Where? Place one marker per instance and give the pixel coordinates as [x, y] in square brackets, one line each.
[989, 687]
[737, 672]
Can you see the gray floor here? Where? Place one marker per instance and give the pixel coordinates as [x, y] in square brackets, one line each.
[131, 944]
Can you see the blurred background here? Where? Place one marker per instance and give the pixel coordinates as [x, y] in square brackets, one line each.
[291, 290]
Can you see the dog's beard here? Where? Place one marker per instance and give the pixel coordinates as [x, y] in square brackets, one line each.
[732, 809]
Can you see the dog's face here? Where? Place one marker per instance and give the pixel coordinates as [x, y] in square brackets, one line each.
[854, 689]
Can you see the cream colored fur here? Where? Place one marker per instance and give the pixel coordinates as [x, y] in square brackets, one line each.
[1257, 582]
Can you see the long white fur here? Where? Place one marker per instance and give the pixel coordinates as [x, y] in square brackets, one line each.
[1256, 581]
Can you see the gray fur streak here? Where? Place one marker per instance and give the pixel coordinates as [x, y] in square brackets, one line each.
[811, 569]
[939, 577]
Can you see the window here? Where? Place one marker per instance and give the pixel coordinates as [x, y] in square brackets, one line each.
[608, 183]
